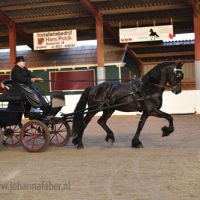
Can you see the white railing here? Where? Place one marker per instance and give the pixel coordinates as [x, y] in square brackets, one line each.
[184, 103]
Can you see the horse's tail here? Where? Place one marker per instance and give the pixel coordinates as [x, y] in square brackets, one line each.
[78, 121]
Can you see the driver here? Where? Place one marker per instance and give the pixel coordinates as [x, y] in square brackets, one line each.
[21, 74]
[23, 79]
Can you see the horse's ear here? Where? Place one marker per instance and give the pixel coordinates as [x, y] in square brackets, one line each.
[179, 65]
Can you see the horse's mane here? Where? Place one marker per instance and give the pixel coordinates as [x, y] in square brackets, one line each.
[154, 72]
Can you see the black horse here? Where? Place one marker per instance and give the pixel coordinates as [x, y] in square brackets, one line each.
[145, 96]
[153, 34]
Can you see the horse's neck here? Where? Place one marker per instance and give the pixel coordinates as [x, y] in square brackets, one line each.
[158, 80]
[162, 81]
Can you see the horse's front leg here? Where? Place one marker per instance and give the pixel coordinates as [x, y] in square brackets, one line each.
[166, 130]
[136, 143]
[102, 122]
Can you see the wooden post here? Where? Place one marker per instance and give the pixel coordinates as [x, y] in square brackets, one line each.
[100, 49]
[100, 42]
[12, 43]
[99, 36]
[197, 48]
[197, 36]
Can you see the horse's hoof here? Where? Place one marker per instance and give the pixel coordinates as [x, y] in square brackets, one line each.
[79, 147]
[166, 131]
[75, 141]
[137, 145]
[110, 141]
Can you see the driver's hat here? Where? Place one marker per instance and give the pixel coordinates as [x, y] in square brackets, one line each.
[19, 59]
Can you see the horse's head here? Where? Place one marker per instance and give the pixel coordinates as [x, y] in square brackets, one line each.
[163, 73]
[175, 76]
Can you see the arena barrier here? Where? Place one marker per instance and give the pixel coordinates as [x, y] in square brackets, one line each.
[187, 102]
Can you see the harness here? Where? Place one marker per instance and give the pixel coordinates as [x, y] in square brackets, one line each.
[137, 94]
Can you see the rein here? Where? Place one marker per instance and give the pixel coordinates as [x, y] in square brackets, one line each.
[161, 86]
[100, 107]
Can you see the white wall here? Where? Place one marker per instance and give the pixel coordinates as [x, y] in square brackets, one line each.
[187, 101]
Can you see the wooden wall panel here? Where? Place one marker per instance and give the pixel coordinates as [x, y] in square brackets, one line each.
[71, 80]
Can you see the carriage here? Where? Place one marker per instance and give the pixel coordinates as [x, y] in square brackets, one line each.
[42, 128]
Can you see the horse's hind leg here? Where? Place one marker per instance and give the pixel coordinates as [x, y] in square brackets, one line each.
[87, 119]
[102, 122]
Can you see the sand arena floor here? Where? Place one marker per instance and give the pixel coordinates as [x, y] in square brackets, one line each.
[165, 169]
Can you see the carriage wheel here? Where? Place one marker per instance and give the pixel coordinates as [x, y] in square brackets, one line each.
[35, 136]
[11, 135]
[59, 134]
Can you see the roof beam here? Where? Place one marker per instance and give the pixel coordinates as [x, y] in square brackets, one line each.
[158, 44]
[22, 6]
[143, 9]
[149, 21]
[89, 25]
[165, 54]
[195, 5]
[25, 37]
[49, 17]
[91, 9]
[42, 27]
[63, 27]
[10, 23]
[5, 19]
[152, 62]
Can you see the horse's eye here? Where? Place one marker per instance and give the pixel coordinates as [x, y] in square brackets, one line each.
[179, 76]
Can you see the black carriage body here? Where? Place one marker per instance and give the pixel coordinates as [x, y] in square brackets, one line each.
[11, 115]
[19, 96]
[9, 118]
[42, 128]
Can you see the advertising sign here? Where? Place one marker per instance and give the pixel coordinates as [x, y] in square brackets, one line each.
[141, 34]
[55, 39]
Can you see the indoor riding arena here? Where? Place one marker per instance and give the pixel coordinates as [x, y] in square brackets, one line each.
[166, 168]
[100, 99]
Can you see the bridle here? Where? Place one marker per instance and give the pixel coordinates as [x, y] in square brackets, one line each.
[175, 73]
[178, 75]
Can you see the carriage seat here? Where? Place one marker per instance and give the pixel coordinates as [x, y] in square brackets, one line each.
[57, 102]
[10, 97]
[10, 94]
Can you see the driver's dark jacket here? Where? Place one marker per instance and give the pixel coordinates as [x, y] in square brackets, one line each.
[15, 94]
[21, 75]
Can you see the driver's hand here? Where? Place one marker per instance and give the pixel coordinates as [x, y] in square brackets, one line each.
[2, 85]
[36, 79]
[40, 79]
